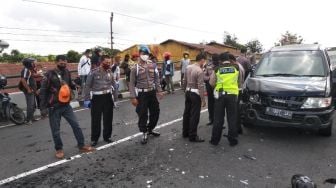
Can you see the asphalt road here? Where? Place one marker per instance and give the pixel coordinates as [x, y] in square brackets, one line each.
[264, 157]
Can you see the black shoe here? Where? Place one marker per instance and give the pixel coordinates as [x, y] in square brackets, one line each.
[210, 123]
[240, 131]
[108, 140]
[144, 138]
[94, 143]
[196, 139]
[212, 143]
[233, 142]
[154, 133]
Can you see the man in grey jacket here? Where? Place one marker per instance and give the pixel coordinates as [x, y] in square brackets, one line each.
[168, 72]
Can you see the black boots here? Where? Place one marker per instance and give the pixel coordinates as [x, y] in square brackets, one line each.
[144, 138]
[146, 134]
[154, 133]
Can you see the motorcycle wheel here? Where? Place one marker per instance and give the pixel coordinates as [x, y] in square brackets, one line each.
[16, 115]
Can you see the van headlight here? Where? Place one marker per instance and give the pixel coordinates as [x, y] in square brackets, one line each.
[254, 98]
[313, 102]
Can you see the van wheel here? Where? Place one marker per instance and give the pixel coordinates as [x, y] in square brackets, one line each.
[326, 131]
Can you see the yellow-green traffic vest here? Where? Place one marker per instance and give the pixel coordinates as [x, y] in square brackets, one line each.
[227, 79]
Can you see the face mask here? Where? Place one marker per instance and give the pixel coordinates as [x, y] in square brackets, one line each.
[105, 66]
[60, 67]
[144, 57]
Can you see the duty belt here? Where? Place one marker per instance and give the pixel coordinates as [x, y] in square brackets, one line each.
[101, 92]
[221, 93]
[145, 89]
[192, 90]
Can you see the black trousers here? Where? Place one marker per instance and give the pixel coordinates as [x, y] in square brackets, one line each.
[101, 105]
[239, 127]
[147, 101]
[224, 103]
[211, 101]
[191, 114]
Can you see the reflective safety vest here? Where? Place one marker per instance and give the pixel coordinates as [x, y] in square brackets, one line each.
[227, 79]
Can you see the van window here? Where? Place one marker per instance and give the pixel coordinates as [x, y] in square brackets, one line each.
[292, 63]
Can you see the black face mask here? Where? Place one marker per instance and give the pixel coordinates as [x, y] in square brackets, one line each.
[61, 68]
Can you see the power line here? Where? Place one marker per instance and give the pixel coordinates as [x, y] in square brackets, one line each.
[43, 35]
[53, 41]
[57, 41]
[125, 15]
[65, 31]
[69, 36]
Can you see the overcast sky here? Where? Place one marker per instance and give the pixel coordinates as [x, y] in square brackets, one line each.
[205, 21]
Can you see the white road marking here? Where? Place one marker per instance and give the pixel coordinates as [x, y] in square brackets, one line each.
[42, 168]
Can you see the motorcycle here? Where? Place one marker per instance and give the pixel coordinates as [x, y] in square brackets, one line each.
[8, 110]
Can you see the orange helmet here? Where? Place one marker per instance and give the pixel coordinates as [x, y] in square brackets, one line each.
[166, 54]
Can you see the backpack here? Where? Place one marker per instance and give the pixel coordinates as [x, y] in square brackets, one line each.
[64, 93]
[61, 95]
[20, 85]
[168, 67]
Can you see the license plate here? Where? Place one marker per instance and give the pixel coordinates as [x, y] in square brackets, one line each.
[279, 113]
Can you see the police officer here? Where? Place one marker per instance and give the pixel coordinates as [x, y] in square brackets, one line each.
[144, 86]
[225, 80]
[100, 84]
[242, 77]
[194, 98]
[207, 72]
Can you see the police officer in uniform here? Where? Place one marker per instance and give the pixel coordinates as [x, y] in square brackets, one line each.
[225, 80]
[144, 86]
[194, 98]
[207, 72]
[100, 84]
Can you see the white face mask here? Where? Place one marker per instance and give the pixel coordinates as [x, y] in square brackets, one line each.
[144, 57]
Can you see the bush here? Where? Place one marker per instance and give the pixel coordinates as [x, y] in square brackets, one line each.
[73, 56]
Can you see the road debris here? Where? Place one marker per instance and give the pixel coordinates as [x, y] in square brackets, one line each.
[171, 149]
[250, 157]
[183, 172]
[202, 177]
[244, 182]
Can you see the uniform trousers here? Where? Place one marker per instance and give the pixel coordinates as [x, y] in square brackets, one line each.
[147, 101]
[224, 103]
[191, 114]
[101, 105]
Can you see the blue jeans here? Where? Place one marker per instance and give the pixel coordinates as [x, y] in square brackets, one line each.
[83, 79]
[30, 100]
[55, 114]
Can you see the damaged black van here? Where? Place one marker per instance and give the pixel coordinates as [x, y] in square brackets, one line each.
[292, 86]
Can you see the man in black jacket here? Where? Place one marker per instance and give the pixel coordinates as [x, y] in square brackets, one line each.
[52, 99]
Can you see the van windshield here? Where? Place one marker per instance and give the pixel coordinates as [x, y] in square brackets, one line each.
[292, 63]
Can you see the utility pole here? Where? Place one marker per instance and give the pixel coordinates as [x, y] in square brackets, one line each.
[111, 20]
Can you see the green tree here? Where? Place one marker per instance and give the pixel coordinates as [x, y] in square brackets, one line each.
[232, 40]
[289, 38]
[254, 46]
[51, 58]
[73, 56]
[109, 52]
[15, 56]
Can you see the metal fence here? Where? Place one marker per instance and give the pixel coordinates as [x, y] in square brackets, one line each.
[19, 76]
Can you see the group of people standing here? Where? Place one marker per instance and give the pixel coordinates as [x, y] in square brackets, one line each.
[223, 78]
[99, 78]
